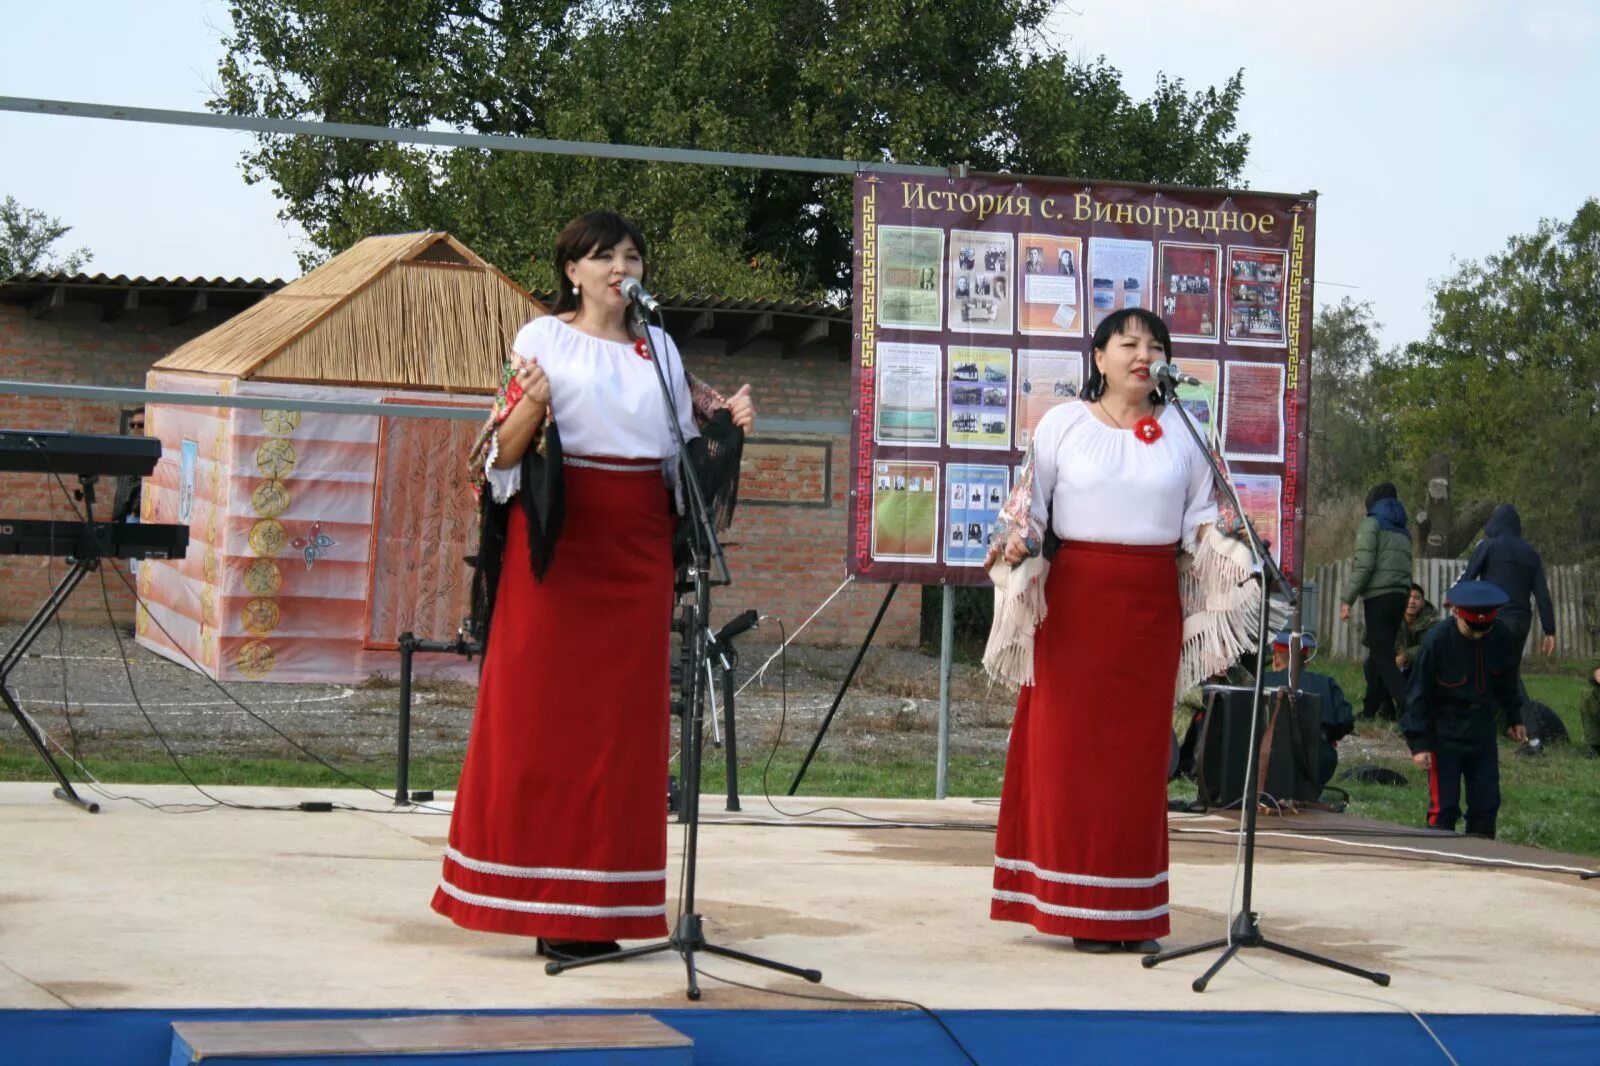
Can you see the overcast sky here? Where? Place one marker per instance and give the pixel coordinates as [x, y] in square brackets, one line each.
[1433, 129]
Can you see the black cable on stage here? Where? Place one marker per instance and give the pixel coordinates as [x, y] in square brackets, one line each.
[86, 518]
[216, 801]
[777, 741]
[74, 756]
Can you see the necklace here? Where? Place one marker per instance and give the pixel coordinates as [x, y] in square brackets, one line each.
[1147, 429]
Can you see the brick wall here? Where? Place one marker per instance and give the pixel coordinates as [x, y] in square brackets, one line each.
[74, 345]
[786, 557]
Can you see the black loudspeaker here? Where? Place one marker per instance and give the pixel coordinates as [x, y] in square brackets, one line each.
[1290, 739]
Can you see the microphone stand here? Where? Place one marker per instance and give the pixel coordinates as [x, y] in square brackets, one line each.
[1245, 930]
[688, 938]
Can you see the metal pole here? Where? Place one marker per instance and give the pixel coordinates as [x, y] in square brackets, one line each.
[947, 636]
[402, 776]
[855, 664]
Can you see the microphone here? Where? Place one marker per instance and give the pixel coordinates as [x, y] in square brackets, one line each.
[1170, 377]
[633, 289]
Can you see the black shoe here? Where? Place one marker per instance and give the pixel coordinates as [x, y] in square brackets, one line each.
[1141, 947]
[573, 950]
[1096, 947]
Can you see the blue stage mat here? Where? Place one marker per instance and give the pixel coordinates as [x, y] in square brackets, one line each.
[891, 1038]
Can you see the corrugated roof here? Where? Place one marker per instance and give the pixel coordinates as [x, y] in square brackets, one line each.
[377, 346]
[122, 281]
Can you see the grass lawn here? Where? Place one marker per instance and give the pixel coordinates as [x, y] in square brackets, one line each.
[1552, 801]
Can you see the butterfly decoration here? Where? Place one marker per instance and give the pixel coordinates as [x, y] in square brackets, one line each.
[315, 545]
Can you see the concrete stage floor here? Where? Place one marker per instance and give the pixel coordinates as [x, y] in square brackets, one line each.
[226, 908]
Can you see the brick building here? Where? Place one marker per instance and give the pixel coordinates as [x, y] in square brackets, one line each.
[786, 548]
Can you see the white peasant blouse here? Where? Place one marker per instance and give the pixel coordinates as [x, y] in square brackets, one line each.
[1106, 485]
[603, 395]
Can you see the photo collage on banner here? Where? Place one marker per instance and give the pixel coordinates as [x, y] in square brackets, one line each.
[975, 302]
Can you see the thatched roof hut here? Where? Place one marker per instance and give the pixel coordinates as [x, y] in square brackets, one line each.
[316, 539]
[413, 311]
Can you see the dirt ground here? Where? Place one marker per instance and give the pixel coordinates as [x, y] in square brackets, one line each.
[77, 687]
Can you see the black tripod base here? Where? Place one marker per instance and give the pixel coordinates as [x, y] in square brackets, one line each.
[72, 797]
[1247, 934]
[687, 939]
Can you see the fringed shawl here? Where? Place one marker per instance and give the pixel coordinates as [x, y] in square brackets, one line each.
[1221, 595]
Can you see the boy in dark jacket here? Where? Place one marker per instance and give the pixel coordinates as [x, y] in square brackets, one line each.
[1382, 580]
[1465, 670]
[1504, 559]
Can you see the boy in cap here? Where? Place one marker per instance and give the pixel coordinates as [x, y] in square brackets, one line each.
[1465, 669]
[1338, 719]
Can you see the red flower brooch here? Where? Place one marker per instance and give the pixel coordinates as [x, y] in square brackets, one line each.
[1147, 429]
[641, 348]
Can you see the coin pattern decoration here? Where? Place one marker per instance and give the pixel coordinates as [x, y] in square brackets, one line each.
[260, 616]
[254, 659]
[275, 458]
[268, 537]
[280, 423]
[263, 578]
[270, 498]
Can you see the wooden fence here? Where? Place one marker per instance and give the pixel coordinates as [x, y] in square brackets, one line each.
[1574, 598]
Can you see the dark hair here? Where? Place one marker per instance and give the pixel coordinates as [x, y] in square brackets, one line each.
[1117, 323]
[596, 231]
[1418, 588]
[1383, 490]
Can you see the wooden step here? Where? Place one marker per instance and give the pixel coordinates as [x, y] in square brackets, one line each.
[429, 1039]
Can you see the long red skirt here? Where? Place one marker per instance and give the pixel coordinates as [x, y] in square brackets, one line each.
[560, 823]
[1082, 844]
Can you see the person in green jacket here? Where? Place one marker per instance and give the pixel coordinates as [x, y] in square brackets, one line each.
[1419, 618]
[1589, 713]
[1382, 581]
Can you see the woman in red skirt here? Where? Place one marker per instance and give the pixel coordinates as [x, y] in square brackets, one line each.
[559, 827]
[1082, 844]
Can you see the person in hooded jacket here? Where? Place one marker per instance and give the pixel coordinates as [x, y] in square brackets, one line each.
[1382, 581]
[1465, 674]
[1507, 561]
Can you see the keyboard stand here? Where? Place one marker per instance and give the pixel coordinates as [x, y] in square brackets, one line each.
[76, 572]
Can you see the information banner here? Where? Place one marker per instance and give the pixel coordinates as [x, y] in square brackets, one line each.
[975, 302]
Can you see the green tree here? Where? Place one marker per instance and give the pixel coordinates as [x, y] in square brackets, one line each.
[1352, 434]
[1507, 382]
[26, 237]
[1352, 430]
[922, 82]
